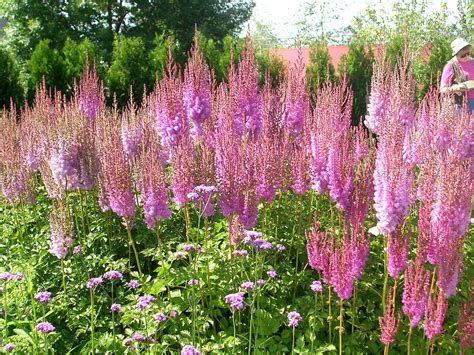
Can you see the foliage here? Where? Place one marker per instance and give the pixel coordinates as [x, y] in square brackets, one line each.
[29, 21]
[357, 65]
[46, 62]
[10, 86]
[319, 68]
[129, 68]
[271, 65]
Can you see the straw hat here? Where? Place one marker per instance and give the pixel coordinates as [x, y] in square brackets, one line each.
[458, 44]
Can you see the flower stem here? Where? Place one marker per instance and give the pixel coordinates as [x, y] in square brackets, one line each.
[127, 223]
[293, 341]
[385, 271]
[92, 320]
[409, 340]
[341, 310]
[329, 314]
[235, 333]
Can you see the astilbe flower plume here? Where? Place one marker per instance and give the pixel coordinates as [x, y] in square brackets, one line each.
[415, 291]
[319, 248]
[114, 173]
[296, 101]
[389, 322]
[243, 84]
[397, 252]
[358, 248]
[435, 312]
[342, 270]
[131, 131]
[466, 321]
[62, 232]
[393, 177]
[152, 183]
[196, 91]
[90, 92]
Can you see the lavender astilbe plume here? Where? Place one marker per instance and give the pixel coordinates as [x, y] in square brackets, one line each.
[196, 90]
[131, 130]
[299, 164]
[115, 178]
[62, 232]
[296, 100]
[151, 180]
[415, 291]
[397, 252]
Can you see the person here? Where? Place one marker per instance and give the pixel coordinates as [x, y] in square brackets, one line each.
[457, 72]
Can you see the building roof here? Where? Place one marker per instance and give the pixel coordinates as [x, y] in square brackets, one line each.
[290, 55]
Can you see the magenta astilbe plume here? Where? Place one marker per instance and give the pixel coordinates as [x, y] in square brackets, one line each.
[114, 172]
[415, 291]
[62, 233]
[342, 272]
[449, 267]
[152, 182]
[466, 321]
[196, 92]
[244, 89]
[435, 312]
[389, 322]
[397, 253]
[183, 170]
[299, 162]
[359, 249]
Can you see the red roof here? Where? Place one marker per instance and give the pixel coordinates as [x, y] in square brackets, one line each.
[290, 55]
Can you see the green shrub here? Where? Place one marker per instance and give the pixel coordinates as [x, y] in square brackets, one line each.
[10, 86]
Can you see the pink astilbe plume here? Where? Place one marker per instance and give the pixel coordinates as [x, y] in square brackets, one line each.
[358, 247]
[62, 233]
[435, 312]
[342, 268]
[296, 98]
[269, 159]
[230, 167]
[243, 85]
[171, 123]
[115, 179]
[183, 170]
[299, 163]
[14, 173]
[397, 251]
[151, 180]
[90, 93]
[196, 91]
[379, 93]
[131, 130]
[415, 291]
[319, 248]
[393, 177]
[466, 321]
[389, 322]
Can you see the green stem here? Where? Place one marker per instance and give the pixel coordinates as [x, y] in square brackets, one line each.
[385, 272]
[83, 219]
[235, 332]
[127, 223]
[113, 316]
[46, 345]
[329, 315]
[341, 310]
[409, 340]
[92, 320]
[293, 341]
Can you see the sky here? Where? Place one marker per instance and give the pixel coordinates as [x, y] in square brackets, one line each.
[282, 15]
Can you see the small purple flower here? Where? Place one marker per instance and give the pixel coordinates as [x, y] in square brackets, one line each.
[190, 350]
[193, 282]
[262, 244]
[127, 341]
[247, 285]
[240, 253]
[115, 307]
[294, 318]
[6, 276]
[77, 249]
[172, 314]
[205, 189]
[43, 297]
[200, 251]
[19, 276]
[160, 317]
[280, 247]
[188, 247]
[9, 347]
[139, 337]
[180, 255]
[193, 196]
[235, 300]
[113, 275]
[144, 301]
[260, 282]
[93, 282]
[253, 234]
[133, 284]
[316, 286]
[272, 274]
[45, 327]
[151, 340]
